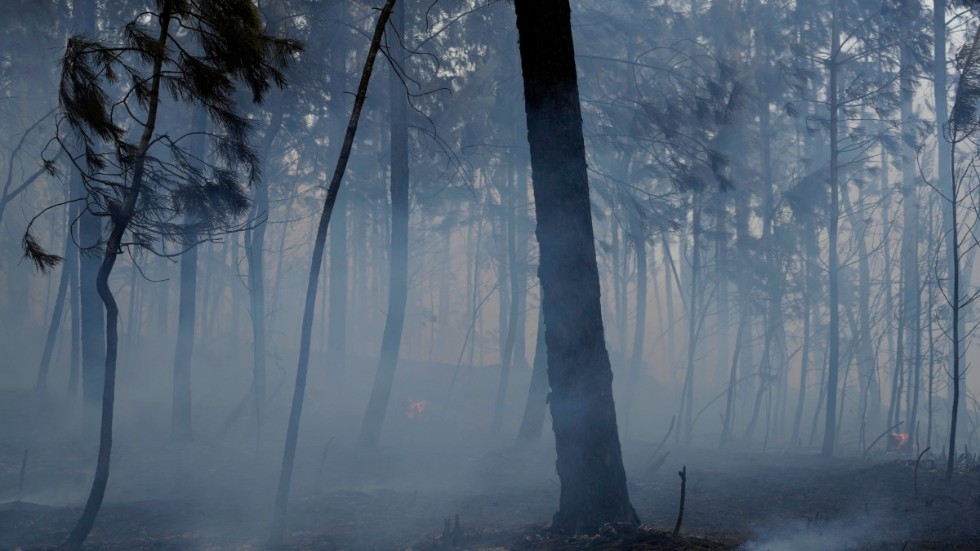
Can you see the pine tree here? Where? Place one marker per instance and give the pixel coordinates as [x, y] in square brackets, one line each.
[154, 191]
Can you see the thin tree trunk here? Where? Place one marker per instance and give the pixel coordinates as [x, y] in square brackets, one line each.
[532, 421]
[74, 310]
[296, 409]
[255, 254]
[829, 437]
[58, 315]
[112, 251]
[636, 358]
[337, 318]
[377, 408]
[685, 418]
[514, 276]
[728, 420]
[811, 254]
[181, 427]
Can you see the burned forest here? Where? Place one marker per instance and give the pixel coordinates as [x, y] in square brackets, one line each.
[487, 275]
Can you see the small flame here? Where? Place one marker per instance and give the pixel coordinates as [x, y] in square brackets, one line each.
[416, 409]
[898, 441]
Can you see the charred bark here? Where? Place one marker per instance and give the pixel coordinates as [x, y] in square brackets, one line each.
[590, 465]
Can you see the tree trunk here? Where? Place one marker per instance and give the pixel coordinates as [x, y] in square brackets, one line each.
[57, 316]
[306, 331]
[636, 358]
[71, 264]
[337, 319]
[114, 248]
[377, 408]
[833, 218]
[255, 253]
[514, 281]
[590, 464]
[685, 417]
[532, 422]
[180, 428]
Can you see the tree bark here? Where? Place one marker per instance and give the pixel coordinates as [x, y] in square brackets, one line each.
[590, 464]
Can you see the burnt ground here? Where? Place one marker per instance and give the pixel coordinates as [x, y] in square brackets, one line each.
[218, 495]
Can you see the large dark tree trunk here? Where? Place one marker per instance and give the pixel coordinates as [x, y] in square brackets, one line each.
[319, 244]
[377, 407]
[590, 464]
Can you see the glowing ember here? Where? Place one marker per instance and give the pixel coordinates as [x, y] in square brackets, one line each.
[416, 409]
[897, 441]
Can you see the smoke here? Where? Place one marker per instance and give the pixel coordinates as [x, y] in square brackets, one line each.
[816, 534]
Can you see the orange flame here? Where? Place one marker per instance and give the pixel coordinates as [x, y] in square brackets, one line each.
[897, 441]
[416, 409]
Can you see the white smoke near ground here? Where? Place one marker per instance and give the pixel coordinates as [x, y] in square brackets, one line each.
[816, 534]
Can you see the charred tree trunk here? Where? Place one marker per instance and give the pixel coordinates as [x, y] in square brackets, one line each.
[114, 247]
[377, 408]
[590, 464]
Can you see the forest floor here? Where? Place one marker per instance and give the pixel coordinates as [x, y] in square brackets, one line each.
[210, 496]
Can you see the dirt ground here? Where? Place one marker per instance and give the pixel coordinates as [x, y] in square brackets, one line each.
[217, 496]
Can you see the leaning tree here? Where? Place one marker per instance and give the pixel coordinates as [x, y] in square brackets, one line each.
[150, 181]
